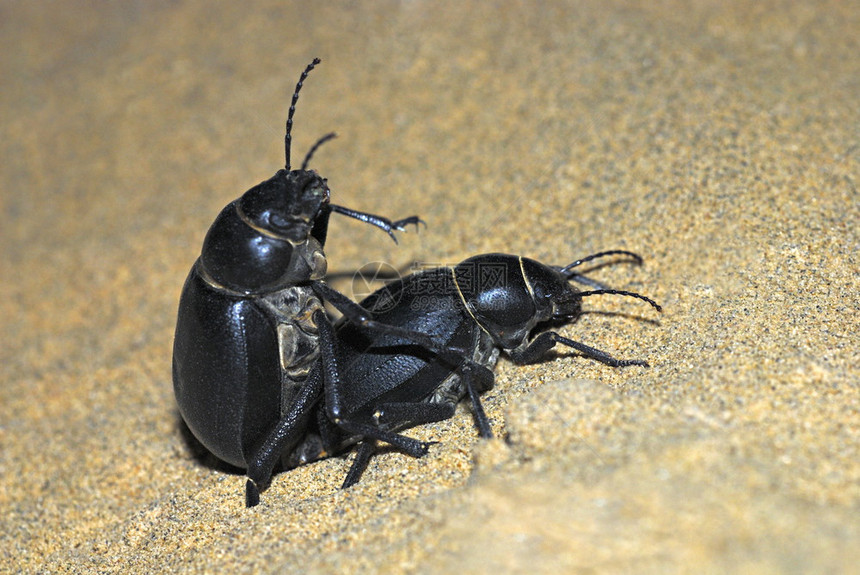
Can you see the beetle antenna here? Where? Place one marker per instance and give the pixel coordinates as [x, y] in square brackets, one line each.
[313, 149]
[654, 304]
[570, 266]
[288, 137]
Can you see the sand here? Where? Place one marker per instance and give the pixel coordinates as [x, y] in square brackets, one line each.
[717, 139]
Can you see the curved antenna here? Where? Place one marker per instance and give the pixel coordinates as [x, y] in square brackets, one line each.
[654, 304]
[320, 142]
[288, 137]
[570, 266]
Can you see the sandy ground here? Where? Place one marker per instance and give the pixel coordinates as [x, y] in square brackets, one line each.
[718, 139]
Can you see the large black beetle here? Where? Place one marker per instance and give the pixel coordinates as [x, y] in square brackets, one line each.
[251, 324]
[485, 304]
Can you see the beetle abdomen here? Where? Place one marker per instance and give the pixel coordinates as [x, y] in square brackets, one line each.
[226, 373]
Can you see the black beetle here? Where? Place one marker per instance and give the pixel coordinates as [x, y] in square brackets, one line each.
[251, 324]
[485, 304]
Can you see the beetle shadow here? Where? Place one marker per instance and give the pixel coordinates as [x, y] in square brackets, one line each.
[383, 275]
[622, 315]
[199, 453]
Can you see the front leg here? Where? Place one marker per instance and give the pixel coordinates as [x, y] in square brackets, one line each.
[287, 432]
[469, 372]
[320, 229]
[380, 222]
[536, 348]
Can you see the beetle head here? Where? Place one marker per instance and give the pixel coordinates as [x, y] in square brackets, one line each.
[509, 295]
[265, 240]
[287, 205]
[497, 297]
[554, 297]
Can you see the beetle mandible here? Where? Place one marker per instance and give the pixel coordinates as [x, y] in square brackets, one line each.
[251, 321]
[485, 304]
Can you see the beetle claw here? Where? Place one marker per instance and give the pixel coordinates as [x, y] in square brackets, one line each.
[413, 220]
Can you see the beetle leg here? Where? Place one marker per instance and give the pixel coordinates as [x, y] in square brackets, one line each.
[408, 445]
[547, 340]
[380, 222]
[475, 378]
[288, 429]
[362, 318]
[333, 399]
[359, 464]
[467, 373]
[320, 229]
[393, 414]
[412, 413]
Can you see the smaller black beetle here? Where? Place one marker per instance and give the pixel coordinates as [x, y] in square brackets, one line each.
[485, 304]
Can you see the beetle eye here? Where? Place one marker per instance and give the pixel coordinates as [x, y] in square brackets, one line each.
[277, 220]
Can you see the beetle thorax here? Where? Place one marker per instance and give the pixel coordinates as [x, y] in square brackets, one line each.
[497, 297]
[242, 257]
